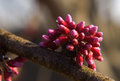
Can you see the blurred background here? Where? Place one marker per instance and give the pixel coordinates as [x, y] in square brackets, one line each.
[31, 18]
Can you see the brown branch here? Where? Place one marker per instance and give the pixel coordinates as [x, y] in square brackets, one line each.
[49, 59]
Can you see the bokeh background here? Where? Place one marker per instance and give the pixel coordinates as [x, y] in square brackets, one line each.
[31, 18]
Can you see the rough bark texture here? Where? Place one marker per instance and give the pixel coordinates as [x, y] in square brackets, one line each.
[52, 60]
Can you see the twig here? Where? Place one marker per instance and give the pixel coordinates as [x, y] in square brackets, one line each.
[49, 59]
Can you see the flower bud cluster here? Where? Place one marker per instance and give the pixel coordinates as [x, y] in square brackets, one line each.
[84, 40]
[9, 67]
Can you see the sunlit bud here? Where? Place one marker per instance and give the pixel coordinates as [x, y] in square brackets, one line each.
[96, 51]
[70, 47]
[84, 52]
[96, 44]
[75, 42]
[88, 46]
[51, 31]
[74, 33]
[89, 26]
[64, 29]
[8, 74]
[80, 26]
[91, 39]
[86, 31]
[89, 58]
[92, 66]
[61, 40]
[81, 36]
[93, 30]
[83, 41]
[14, 69]
[99, 34]
[68, 18]
[100, 58]
[72, 24]
[0, 75]
[46, 37]
[100, 39]
[61, 21]
[79, 59]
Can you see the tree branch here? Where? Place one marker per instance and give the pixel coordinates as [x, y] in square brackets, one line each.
[49, 59]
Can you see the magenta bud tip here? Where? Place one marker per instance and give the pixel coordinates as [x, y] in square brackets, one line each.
[68, 18]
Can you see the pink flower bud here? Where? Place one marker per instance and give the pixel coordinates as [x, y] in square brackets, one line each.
[95, 39]
[89, 26]
[100, 39]
[81, 36]
[15, 70]
[80, 26]
[70, 47]
[96, 51]
[100, 58]
[0, 75]
[45, 38]
[55, 35]
[61, 21]
[79, 59]
[8, 74]
[51, 32]
[68, 18]
[99, 34]
[89, 58]
[96, 44]
[8, 79]
[84, 52]
[91, 39]
[92, 66]
[64, 29]
[84, 39]
[61, 40]
[75, 42]
[81, 43]
[73, 25]
[88, 46]
[86, 31]
[93, 30]
[74, 33]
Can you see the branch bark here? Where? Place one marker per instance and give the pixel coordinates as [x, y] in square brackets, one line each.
[52, 60]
